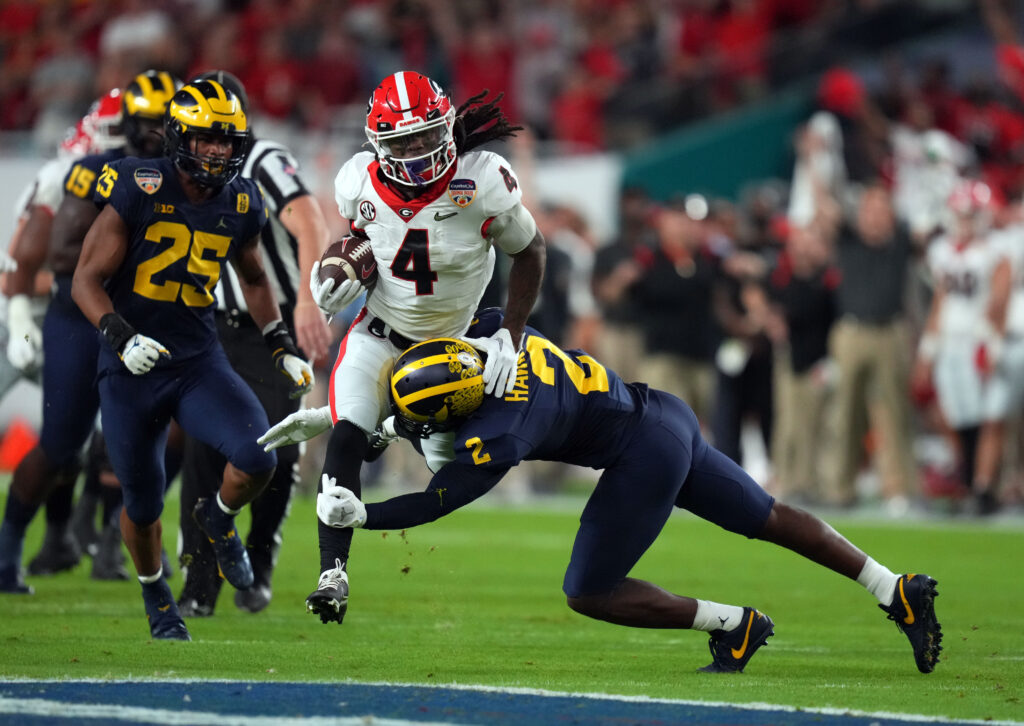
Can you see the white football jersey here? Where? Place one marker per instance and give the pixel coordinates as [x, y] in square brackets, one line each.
[966, 275]
[1010, 242]
[47, 188]
[433, 255]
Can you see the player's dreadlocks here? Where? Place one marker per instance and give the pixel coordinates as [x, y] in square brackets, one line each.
[476, 123]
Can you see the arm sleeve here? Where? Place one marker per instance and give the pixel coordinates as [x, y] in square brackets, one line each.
[513, 230]
[454, 486]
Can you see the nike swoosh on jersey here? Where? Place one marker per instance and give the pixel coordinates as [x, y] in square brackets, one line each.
[438, 216]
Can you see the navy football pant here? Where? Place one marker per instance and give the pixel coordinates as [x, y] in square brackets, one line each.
[667, 464]
[210, 402]
[70, 399]
[202, 466]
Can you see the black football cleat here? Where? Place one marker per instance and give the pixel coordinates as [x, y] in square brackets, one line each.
[232, 558]
[12, 582]
[190, 607]
[731, 650]
[165, 621]
[258, 597]
[913, 611]
[330, 599]
[255, 599]
[108, 563]
[59, 552]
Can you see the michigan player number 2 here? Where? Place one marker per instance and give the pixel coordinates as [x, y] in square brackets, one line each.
[183, 243]
[592, 378]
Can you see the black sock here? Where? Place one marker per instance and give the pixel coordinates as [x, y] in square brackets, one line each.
[112, 499]
[60, 503]
[345, 452]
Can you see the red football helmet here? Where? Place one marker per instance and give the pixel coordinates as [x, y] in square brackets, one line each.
[409, 122]
[102, 123]
[974, 205]
[971, 196]
[75, 142]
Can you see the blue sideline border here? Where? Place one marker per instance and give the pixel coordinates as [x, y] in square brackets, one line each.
[261, 703]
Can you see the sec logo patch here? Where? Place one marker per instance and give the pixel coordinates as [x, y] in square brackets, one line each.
[149, 180]
[462, 191]
[367, 211]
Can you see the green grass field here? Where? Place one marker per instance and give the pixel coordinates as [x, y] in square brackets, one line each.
[476, 599]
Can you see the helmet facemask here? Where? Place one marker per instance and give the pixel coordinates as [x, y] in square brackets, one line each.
[418, 153]
[207, 169]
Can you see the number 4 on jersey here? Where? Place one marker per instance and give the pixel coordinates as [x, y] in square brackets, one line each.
[412, 262]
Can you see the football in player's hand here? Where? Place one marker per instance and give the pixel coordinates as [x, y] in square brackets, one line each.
[351, 258]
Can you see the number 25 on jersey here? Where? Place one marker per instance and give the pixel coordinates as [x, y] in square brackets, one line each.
[184, 243]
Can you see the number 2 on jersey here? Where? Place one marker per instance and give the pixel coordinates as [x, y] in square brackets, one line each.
[593, 378]
[412, 262]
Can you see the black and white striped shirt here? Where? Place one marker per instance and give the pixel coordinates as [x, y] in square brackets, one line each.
[275, 169]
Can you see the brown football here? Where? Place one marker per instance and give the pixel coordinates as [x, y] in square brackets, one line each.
[350, 258]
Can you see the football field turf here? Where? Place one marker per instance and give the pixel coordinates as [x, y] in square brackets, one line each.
[475, 599]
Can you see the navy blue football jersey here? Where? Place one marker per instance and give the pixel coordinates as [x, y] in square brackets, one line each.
[176, 252]
[81, 179]
[565, 407]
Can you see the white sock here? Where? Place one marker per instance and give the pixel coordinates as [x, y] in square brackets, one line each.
[714, 616]
[225, 508]
[879, 580]
[150, 579]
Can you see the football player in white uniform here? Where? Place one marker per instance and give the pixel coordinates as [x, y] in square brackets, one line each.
[962, 344]
[433, 209]
[1009, 385]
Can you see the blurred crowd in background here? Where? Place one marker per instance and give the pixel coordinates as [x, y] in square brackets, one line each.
[797, 311]
[590, 74]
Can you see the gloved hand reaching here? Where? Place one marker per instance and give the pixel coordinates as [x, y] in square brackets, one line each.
[300, 426]
[339, 507]
[500, 366]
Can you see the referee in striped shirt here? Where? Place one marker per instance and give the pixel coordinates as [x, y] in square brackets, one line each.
[293, 240]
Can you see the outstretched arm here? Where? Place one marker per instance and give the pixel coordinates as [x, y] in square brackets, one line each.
[454, 486]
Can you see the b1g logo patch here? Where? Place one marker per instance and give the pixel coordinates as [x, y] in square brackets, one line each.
[242, 203]
[462, 191]
[149, 180]
[367, 211]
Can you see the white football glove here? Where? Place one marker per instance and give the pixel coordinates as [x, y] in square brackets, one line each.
[339, 507]
[329, 299]
[295, 428]
[25, 341]
[140, 354]
[299, 371]
[500, 368]
[7, 263]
